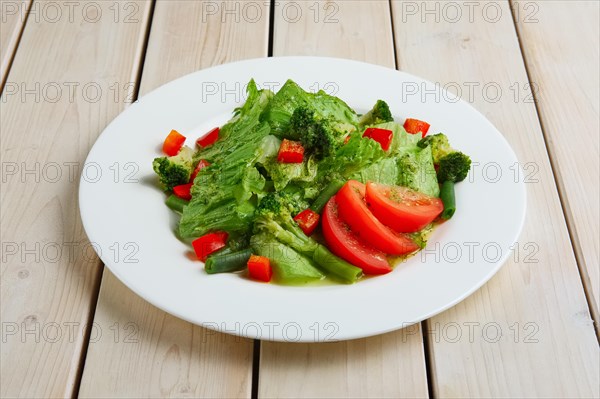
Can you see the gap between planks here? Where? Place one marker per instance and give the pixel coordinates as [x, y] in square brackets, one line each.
[9, 61]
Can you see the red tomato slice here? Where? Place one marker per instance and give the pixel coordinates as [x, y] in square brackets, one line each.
[401, 208]
[414, 126]
[354, 211]
[345, 244]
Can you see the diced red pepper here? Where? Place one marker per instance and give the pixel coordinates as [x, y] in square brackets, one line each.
[173, 143]
[347, 139]
[183, 191]
[414, 126]
[201, 165]
[209, 243]
[259, 268]
[290, 152]
[382, 136]
[308, 220]
[209, 138]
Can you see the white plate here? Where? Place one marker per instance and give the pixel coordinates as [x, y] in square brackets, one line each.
[125, 217]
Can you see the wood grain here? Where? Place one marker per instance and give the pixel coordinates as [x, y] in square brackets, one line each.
[565, 68]
[145, 352]
[13, 15]
[389, 365]
[171, 357]
[49, 122]
[546, 345]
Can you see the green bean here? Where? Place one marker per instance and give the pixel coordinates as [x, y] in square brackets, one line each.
[176, 203]
[447, 197]
[336, 266]
[226, 263]
[332, 188]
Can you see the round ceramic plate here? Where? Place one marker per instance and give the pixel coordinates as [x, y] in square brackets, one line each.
[130, 227]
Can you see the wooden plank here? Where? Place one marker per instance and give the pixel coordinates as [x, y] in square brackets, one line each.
[56, 101]
[527, 332]
[146, 352]
[389, 365]
[13, 15]
[335, 29]
[569, 107]
[171, 357]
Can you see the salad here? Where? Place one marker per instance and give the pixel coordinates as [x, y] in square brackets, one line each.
[297, 187]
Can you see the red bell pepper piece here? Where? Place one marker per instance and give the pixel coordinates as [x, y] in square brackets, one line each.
[173, 143]
[183, 191]
[201, 165]
[209, 243]
[259, 268]
[290, 152]
[209, 138]
[308, 220]
[414, 126]
[382, 136]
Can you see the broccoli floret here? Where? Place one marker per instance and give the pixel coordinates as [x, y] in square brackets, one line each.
[380, 113]
[454, 167]
[316, 134]
[440, 147]
[175, 170]
[280, 203]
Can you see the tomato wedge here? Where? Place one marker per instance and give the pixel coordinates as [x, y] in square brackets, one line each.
[345, 244]
[401, 208]
[354, 211]
[414, 126]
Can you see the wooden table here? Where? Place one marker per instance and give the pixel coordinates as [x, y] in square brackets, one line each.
[70, 328]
